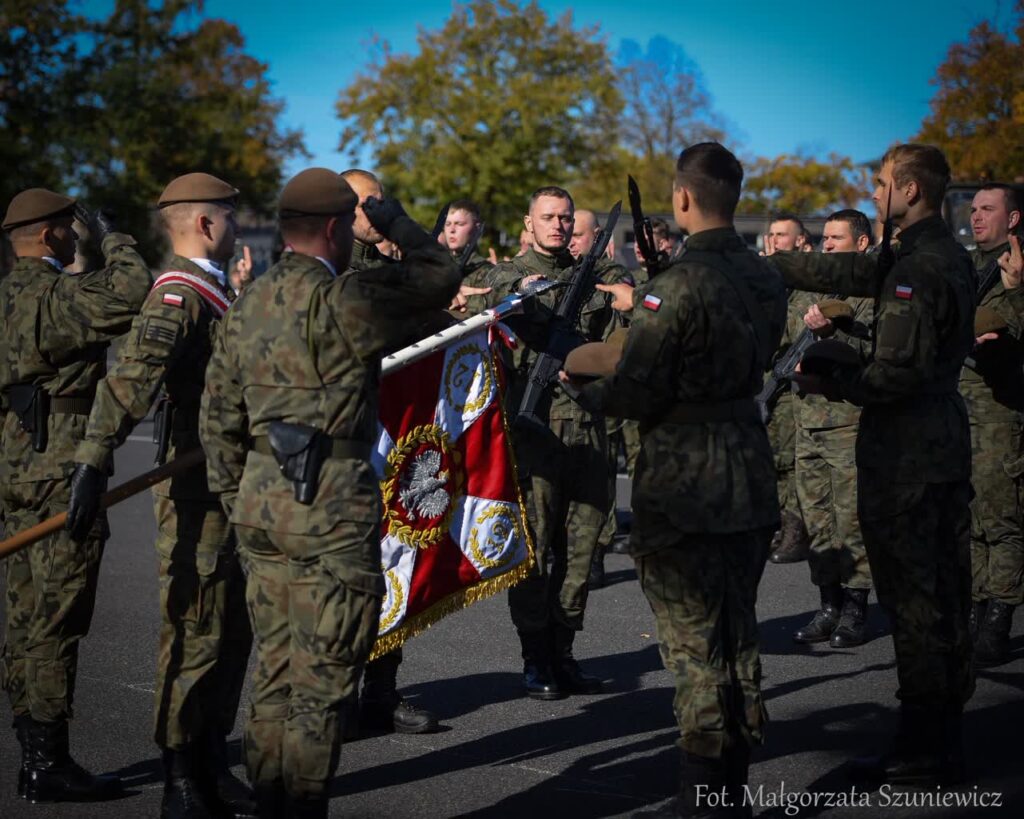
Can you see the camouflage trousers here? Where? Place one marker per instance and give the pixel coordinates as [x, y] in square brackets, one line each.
[563, 474]
[997, 548]
[703, 594]
[826, 486]
[314, 604]
[782, 437]
[623, 435]
[918, 541]
[51, 593]
[204, 628]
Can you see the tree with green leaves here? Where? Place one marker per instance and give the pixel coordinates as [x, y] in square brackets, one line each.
[499, 101]
[798, 183]
[977, 113]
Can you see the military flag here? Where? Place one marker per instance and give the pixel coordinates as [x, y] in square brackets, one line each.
[453, 529]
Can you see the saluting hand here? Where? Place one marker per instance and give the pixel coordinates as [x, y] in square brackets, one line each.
[1011, 264]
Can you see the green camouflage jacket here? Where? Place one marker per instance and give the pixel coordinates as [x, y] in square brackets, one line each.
[56, 330]
[914, 423]
[991, 381]
[816, 411]
[302, 346]
[477, 271]
[595, 318]
[169, 346]
[692, 342]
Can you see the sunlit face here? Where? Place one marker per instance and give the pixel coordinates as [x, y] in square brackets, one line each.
[785, 233]
[550, 220]
[991, 222]
[223, 228]
[584, 234]
[364, 189]
[890, 199]
[837, 237]
[458, 228]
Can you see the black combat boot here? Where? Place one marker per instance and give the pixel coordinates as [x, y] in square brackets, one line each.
[183, 788]
[737, 776]
[703, 793]
[926, 752]
[794, 544]
[51, 774]
[852, 628]
[20, 726]
[825, 619]
[271, 800]
[993, 644]
[306, 807]
[538, 678]
[231, 798]
[382, 708]
[974, 618]
[595, 579]
[570, 678]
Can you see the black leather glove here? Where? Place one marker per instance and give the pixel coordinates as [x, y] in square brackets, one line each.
[97, 222]
[383, 213]
[87, 484]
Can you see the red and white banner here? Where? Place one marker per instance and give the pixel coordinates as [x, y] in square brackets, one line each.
[453, 528]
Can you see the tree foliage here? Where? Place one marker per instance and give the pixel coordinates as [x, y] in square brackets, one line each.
[498, 102]
[141, 97]
[802, 184]
[977, 112]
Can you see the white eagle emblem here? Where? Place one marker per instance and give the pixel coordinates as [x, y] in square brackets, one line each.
[421, 486]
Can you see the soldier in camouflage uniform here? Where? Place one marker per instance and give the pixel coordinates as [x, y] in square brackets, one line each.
[913, 454]
[791, 543]
[462, 220]
[826, 471]
[562, 468]
[53, 345]
[204, 632]
[584, 234]
[288, 420]
[990, 385]
[705, 497]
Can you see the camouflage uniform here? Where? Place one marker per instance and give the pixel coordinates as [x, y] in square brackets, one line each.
[204, 632]
[563, 470]
[55, 334]
[478, 270]
[826, 471]
[302, 346]
[704, 497]
[913, 453]
[991, 387]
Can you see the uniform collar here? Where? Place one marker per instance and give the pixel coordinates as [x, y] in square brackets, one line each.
[328, 265]
[213, 269]
[722, 238]
[364, 256]
[542, 263]
[54, 263]
[931, 227]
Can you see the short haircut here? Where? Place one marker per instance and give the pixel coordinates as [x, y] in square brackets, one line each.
[21, 233]
[176, 215]
[550, 190]
[467, 205]
[659, 227]
[1010, 195]
[924, 164]
[786, 216]
[713, 175]
[304, 226]
[859, 224]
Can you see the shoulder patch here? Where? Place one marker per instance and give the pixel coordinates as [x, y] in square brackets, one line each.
[159, 332]
[904, 291]
[652, 302]
[173, 299]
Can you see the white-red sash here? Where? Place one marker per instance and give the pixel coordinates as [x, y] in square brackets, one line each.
[214, 298]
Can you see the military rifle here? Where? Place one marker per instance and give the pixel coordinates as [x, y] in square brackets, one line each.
[563, 335]
[442, 217]
[781, 374]
[467, 251]
[643, 230]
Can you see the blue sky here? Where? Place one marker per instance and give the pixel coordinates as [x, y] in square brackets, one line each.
[850, 77]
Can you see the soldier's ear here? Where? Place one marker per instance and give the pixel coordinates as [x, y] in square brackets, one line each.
[1014, 219]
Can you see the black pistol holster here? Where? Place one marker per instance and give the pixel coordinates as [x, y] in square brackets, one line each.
[31, 403]
[163, 419]
[300, 451]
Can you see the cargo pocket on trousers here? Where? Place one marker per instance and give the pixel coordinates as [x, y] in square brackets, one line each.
[349, 612]
[206, 591]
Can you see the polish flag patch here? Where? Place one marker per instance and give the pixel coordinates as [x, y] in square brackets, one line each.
[173, 299]
[904, 292]
[652, 303]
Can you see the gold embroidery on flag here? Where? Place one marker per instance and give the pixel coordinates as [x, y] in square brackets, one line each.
[453, 376]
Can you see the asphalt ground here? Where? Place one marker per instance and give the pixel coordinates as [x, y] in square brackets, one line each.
[499, 755]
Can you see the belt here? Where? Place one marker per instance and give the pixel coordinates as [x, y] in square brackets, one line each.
[70, 405]
[340, 448]
[740, 409]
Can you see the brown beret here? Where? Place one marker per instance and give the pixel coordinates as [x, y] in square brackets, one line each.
[316, 192]
[36, 205]
[987, 320]
[836, 310]
[593, 360]
[196, 187]
[828, 356]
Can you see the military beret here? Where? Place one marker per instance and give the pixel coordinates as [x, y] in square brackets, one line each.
[987, 320]
[36, 205]
[593, 360]
[196, 187]
[316, 192]
[836, 310]
[828, 356]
